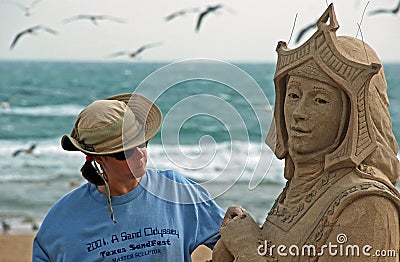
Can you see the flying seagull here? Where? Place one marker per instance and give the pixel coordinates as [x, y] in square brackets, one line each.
[94, 18]
[135, 53]
[31, 30]
[26, 8]
[208, 10]
[304, 30]
[381, 11]
[181, 13]
[26, 151]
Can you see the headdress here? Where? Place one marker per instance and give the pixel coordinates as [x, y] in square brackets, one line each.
[345, 60]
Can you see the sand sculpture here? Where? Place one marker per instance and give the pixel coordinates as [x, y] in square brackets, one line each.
[333, 129]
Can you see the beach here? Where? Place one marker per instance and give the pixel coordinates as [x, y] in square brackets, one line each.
[18, 248]
[15, 248]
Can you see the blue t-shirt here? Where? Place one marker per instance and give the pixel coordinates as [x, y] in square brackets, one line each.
[163, 219]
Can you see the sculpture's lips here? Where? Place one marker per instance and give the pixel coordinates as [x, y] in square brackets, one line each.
[298, 131]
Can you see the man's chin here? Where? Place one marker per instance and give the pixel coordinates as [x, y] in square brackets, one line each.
[138, 172]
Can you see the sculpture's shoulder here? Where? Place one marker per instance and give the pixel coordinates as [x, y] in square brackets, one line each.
[366, 181]
[363, 195]
[364, 213]
[334, 191]
[337, 191]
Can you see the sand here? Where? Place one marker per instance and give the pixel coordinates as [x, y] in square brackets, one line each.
[15, 248]
[18, 248]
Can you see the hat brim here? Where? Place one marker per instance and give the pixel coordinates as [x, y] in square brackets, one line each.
[146, 111]
[67, 144]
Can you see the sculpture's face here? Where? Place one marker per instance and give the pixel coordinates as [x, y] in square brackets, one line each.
[313, 112]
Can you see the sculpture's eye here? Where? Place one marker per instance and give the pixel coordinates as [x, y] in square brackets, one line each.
[293, 95]
[321, 101]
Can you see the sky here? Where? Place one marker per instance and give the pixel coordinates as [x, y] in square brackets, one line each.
[242, 31]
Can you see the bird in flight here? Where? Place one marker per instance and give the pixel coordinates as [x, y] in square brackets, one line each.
[304, 30]
[383, 10]
[135, 53]
[31, 30]
[181, 13]
[207, 11]
[26, 8]
[26, 151]
[94, 18]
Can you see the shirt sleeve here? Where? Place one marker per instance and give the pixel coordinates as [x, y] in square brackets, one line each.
[210, 217]
[38, 254]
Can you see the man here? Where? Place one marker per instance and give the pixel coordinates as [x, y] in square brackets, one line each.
[156, 215]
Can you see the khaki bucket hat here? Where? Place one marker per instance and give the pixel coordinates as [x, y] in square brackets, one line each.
[113, 125]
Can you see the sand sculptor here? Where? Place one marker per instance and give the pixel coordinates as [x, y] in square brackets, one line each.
[333, 129]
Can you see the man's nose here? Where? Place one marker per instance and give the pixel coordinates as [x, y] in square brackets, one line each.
[139, 153]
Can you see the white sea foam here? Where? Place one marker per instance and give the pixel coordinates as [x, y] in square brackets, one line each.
[43, 111]
[223, 162]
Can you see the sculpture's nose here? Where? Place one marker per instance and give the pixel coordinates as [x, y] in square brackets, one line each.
[300, 111]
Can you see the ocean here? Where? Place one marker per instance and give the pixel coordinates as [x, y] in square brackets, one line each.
[216, 117]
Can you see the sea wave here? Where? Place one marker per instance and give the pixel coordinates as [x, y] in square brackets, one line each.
[46, 110]
[226, 162]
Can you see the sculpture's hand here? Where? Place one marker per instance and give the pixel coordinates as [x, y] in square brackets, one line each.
[232, 233]
[240, 234]
[231, 213]
[221, 253]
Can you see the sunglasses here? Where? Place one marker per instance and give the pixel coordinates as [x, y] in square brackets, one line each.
[124, 155]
